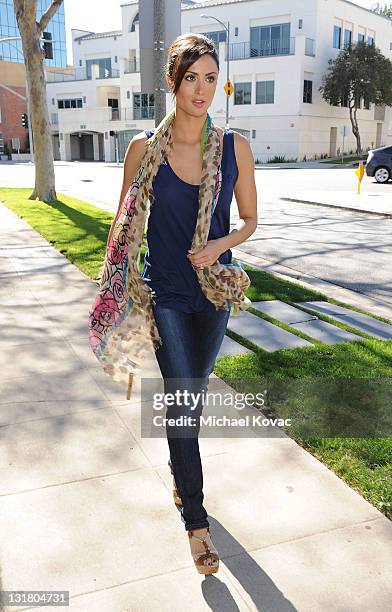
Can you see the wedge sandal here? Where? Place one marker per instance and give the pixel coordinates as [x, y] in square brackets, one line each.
[208, 562]
[176, 497]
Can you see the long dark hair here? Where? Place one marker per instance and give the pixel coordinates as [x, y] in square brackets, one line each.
[184, 51]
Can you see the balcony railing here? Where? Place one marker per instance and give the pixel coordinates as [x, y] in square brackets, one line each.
[79, 74]
[131, 65]
[310, 47]
[244, 50]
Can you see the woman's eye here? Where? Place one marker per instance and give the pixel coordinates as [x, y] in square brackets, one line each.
[191, 76]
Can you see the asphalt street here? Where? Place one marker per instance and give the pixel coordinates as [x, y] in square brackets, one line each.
[347, 248]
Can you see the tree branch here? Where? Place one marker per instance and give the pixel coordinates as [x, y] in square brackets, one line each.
[48, 14]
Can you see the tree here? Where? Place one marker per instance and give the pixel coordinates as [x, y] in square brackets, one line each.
[31, 32]
[384, 10]
[359, 71]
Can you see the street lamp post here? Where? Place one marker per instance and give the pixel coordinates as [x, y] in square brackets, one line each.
[227, 28]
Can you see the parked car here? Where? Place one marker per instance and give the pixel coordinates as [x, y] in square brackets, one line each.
[379, 164]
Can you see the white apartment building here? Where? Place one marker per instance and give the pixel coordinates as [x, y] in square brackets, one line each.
[278, 51]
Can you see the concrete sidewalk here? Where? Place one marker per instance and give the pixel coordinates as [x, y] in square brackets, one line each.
[86, 501]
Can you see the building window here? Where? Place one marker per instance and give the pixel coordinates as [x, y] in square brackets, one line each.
[242, 93]
[337, 37]
[300, 24]
[115, 59]
[370, 40]
[265, 92]
[70, 103]
[84, 99]
[361, 37]
[128, 95]
[236, 31]
[1, 144]
[133, 23]
[104, 67]
[216, 37]
[270, 40]
[253, 133]
[308, 93]
[366, 103]
[347, 38]
[143, 106]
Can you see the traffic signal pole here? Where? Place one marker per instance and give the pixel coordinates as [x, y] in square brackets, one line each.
[48, 42]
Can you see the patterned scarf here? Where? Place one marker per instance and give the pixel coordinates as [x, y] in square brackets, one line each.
[121, 323]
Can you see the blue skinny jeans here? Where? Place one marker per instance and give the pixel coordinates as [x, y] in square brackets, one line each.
[186, 358]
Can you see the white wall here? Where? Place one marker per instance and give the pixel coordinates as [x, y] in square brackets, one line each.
[288, 126]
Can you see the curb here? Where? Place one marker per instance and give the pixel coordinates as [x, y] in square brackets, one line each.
[350, 208]
[349, 297]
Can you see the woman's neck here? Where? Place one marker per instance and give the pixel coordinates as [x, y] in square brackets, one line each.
[187, 129]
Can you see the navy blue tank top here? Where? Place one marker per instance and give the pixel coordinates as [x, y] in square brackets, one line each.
[170, 228]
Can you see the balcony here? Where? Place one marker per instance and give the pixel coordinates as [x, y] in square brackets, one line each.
[131, 65]
[269, 48]
[80, 74]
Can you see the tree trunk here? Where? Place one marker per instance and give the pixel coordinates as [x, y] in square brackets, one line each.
[355, 127]
[31, 32]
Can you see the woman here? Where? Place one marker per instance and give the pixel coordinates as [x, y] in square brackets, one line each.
[190, 326]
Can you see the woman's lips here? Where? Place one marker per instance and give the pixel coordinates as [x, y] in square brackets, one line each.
[198, 103]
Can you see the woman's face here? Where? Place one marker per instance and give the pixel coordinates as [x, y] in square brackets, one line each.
[198, 83]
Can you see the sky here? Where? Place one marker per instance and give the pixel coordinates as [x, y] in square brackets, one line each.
[94, 15]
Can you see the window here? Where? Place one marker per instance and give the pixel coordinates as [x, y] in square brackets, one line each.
[337, 37]
[80, 63]
[143, 106]
[253, 133]
[216, 37]
[70, 103]
[300, 24]
[265, 92]
[370, 40]
[308, 91]
[366, 103]
[236, 31]
[270, 40]
[133, 23]
[347, 38]
[361, 37]
[1, 144]
[242, 93]
[104, 70]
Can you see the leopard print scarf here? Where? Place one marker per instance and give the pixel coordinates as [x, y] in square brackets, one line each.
[121, 323]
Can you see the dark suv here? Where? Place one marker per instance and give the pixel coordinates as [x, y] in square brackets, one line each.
[379, 164]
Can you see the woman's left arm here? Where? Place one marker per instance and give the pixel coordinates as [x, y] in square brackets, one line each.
[246, 196]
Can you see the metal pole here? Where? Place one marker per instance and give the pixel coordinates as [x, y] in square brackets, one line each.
[159, 60]
[31, 142]
[27, 97]
[228, 72]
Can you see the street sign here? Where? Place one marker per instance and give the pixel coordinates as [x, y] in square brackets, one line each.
[228, 87]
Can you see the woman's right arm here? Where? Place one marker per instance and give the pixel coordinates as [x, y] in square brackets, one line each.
[132, 159]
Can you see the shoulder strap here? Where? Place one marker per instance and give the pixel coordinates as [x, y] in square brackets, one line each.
[149, 132]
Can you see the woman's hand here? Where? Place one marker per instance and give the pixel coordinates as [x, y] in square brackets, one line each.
[208, 255]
